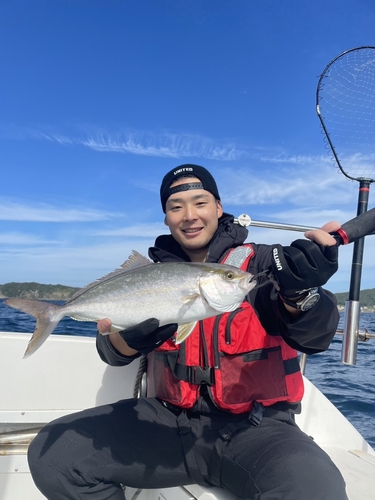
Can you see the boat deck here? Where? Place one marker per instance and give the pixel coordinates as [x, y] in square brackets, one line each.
[54, 382]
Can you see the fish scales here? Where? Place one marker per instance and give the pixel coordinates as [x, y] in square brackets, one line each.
[149, 292]
[173, 292]
[135, 295]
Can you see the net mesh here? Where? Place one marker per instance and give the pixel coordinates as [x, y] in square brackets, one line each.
[346, 108]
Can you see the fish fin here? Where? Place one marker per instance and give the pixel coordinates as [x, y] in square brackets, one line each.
[114, 329]
[135, 261]
[188, 299]
[183, 331]
[47, 317]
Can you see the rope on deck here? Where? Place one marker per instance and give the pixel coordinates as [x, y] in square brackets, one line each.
[141, 370]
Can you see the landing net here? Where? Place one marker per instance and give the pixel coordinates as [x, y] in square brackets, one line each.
[345, 102]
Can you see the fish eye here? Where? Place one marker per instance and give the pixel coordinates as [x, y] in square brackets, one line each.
[230, 275]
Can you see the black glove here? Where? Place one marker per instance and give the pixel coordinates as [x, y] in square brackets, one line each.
[146, 336]
[303, 265]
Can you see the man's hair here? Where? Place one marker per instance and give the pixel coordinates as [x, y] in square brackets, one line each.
[207, 182]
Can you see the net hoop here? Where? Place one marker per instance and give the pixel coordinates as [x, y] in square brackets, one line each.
[320, 87]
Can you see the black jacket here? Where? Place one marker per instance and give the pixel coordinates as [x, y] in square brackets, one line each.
[310, 332]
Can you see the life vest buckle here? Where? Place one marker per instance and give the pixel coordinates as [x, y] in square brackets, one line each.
[199, 376]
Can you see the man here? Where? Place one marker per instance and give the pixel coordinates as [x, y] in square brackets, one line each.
[226, 397]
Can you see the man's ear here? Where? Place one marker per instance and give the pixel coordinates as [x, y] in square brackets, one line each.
[165, 221]
[219, 207]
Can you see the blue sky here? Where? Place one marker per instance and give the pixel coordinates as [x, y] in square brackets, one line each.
[100, 98]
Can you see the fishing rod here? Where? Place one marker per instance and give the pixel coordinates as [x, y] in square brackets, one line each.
[245, 220]
[351, 231]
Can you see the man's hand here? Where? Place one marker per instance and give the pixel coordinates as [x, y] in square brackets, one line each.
[143, 338]
[306, 264]
[104, 326]
[322, 236]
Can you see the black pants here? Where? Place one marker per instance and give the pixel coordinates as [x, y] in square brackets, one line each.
[143, 444]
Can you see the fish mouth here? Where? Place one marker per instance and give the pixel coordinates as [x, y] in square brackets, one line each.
[248, 284]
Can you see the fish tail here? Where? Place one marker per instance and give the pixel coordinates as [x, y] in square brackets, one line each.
[47, 317]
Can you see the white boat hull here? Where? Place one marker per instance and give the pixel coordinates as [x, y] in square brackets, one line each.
[55, 382]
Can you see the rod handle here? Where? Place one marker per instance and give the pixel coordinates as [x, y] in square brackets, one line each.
[356, 228]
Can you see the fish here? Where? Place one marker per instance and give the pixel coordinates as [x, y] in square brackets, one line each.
[173, 292]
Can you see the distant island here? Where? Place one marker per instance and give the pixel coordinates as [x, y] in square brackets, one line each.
[34, 290]
[366, 299]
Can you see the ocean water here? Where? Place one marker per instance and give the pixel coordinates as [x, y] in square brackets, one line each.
[350, 388]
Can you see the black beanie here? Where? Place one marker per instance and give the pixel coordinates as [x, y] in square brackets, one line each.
[207, 181]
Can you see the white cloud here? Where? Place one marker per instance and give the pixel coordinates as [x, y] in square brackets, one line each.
[22, 239]
[316, 185]
[40, 212]
[164, 145]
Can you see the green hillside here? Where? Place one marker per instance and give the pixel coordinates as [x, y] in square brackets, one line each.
[367, 298]
[36, 291]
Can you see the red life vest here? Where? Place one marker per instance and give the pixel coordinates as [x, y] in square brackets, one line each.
[234, 356]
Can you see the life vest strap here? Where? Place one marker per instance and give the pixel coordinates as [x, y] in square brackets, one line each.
[291, 366]
[195, 374]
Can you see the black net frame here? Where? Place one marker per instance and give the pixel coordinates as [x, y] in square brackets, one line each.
[345, 104]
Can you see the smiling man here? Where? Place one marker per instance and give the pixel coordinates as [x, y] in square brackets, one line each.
[225, 399]
[193, 208]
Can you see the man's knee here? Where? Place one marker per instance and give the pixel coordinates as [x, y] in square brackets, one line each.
[38, 465]
[308, 472]
[292, 469]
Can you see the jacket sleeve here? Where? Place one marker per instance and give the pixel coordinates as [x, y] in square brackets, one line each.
[309, 332]
[109, 354]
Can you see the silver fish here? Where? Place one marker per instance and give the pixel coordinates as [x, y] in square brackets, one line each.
[172, 292]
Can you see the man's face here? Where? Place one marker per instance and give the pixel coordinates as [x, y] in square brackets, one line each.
[192, 217]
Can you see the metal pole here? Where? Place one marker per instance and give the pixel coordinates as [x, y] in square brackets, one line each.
[245, 220]
[352, 306]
